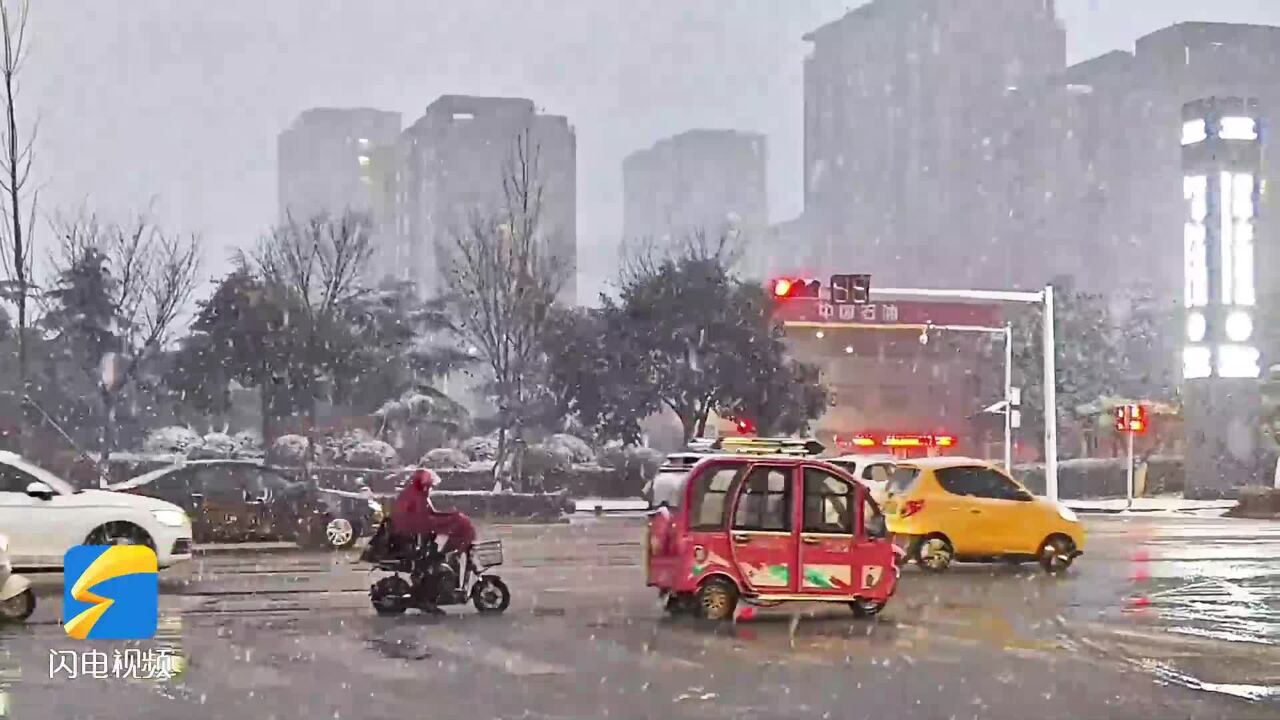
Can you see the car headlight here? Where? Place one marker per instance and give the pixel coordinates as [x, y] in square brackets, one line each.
[4, 543]
[1067, 513]
[171, 518]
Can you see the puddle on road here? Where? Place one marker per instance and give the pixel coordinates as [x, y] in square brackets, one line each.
[1170, 676]
[1216, 608]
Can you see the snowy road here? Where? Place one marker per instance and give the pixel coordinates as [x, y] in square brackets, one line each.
[1162, 617]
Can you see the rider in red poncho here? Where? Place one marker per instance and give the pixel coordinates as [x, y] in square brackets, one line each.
[413, 514]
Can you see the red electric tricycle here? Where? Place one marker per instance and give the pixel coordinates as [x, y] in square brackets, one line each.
[765, 522]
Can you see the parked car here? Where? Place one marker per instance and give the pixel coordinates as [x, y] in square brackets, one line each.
[44, 516]
[954, 508]
[246, 500]
[870, 470]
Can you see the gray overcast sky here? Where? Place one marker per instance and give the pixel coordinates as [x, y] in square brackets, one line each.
[181, 100]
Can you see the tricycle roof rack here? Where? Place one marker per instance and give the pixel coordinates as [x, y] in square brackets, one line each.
[759, 446]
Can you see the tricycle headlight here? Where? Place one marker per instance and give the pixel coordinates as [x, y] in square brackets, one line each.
[376, 508]
[171, 518]
[1067, 513]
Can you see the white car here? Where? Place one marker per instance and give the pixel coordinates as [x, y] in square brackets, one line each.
[873, 471]
[44, 516]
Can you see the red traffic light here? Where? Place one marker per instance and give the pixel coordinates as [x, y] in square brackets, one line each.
[1131, 418]
[790, 288]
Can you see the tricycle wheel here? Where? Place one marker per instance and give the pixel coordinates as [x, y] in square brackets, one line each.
[863, 608]
[490, 595]
[716, 600]
[390, 595]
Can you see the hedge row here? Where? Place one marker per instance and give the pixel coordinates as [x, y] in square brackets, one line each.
[1105, 477]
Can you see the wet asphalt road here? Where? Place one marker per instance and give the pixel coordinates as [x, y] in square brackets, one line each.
[1162, 617]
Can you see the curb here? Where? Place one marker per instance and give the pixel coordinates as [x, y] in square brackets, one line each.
[245, 549]
[1142, 511]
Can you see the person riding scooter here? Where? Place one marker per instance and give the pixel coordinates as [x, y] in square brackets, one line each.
[414, 517]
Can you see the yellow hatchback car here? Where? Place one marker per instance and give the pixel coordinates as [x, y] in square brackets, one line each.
[951, 508]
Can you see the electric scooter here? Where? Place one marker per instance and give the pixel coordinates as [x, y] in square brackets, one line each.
[17, 601]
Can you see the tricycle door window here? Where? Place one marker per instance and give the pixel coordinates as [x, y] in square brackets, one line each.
[711, 491]
[827, 539]
[763, 541]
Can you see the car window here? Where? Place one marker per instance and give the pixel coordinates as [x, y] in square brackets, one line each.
[902, 479]
[219, 482]
[992, 484]
[14, 480]
[828, 503]
[878, 473]
[977, 482]
[272, 480]
[765, 503]
[173, 484]
[710, 495]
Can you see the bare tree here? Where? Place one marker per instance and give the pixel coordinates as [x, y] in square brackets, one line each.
[314, 269]
[15, 173]
[116, 297]
[503, 280]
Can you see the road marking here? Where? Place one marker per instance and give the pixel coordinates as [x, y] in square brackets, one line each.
[498, 658]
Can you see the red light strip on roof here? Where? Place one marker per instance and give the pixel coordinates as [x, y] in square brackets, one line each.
[902, 441]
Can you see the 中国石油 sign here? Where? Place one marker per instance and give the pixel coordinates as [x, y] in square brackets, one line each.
[890, 313]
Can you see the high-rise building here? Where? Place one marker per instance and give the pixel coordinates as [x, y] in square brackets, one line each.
[325, 162]
[1113, 188]
[700, 181]
[452, 162]
[906, 103]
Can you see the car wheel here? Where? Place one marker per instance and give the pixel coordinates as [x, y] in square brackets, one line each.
[340, 533]
[119, 533]
[716, 600]
[1056, 554]
[863, 608]
[935, 553]
[18, 607]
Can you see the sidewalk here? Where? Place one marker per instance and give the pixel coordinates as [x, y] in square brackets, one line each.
[1174, 505]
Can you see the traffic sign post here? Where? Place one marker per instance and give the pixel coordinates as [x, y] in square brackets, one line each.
[1130, 420]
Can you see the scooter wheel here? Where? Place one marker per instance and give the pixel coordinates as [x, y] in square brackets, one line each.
[19, 607]
[390, 595]
[490, 595]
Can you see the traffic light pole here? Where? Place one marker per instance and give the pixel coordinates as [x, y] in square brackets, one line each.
[1044, 299]
[1008, 398]
[1129, 475]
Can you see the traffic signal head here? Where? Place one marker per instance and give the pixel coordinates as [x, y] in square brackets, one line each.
[1131, 418]
[792, 288]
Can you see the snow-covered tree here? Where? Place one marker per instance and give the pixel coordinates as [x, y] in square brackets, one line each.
[116, 294]
[172, 440]
[503, 279]
[374, 454]
[288, 450]
[444, 459]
